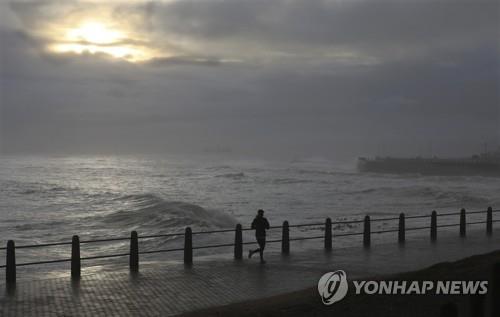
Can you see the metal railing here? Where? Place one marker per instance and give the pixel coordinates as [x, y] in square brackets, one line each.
[328, 235]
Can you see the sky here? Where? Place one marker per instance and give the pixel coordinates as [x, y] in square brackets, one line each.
[280, 79]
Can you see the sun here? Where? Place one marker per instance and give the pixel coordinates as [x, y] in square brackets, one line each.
[94, 37]
[95, 33]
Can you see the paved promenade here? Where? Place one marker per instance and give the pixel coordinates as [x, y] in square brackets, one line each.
[163, 289]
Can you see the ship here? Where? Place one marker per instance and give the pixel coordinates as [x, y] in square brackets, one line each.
[485, 164]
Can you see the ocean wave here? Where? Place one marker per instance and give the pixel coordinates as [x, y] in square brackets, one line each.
[32, 189]
[38, 225]
[28, 191]
[151, 212]
[281, 181]
[232, 175]
[361, 191]
[158, 175]
[463, 198]
[435, 194]
[323, 172]
[218, 168]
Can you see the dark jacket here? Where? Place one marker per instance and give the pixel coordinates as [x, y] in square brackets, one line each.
[260, 224]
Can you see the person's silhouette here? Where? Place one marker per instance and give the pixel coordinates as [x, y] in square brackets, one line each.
[260, 224]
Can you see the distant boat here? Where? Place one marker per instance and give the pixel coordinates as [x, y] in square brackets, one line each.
[486, 164]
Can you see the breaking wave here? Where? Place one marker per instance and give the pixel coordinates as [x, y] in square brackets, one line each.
[153, 213]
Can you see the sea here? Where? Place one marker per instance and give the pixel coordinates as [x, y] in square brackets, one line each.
[46, 199]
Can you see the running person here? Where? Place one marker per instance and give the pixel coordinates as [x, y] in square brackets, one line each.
[260, 224]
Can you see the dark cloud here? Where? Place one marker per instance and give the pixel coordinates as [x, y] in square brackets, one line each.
[386, 29]
[292, 78]
[184, 60]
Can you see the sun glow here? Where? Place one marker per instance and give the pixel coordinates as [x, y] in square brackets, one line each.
[92, 37]
[124, 52]
[95, 33]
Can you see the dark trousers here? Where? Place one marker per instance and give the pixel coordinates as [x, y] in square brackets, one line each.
[262, 244]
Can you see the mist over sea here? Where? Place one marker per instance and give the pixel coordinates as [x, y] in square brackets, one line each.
[44, 199]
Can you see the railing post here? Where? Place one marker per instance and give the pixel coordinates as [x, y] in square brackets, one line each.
[462, 223]
[238, 243]
[10, 268]
[134, 252]
[75, 258]
[366, 232]
[489, 221]
[285, 238]
[401, 232]
[434, 226]
[188, 246]
[328, 234]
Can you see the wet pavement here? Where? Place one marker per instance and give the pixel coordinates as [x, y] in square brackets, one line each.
[170, 288]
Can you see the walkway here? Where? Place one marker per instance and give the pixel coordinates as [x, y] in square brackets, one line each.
[163, 289]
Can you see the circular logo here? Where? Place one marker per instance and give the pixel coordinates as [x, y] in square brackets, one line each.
[332, 287]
